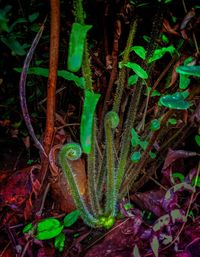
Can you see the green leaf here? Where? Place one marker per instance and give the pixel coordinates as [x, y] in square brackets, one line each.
[89, 106]
[132, 80]
[71, 218]
[196, 180]
[155, 93]
[135, 140]
[76, 46]
[189, 70]
[159, 53]
[155, 125]
[174, 101]
[48, 228]
[3, 18]
[33, 16]
[59, 242]
[188, 60]
[136, 156]
[146, 38]
[197, 139]
[184, 81]
[79, 81]
[137, 69]
[172, 121]
[29, 227]
[178, 175]
[143, 144]
[165, 39]
[152, 155]
[168, 1]
[14, 45]
[140, 51]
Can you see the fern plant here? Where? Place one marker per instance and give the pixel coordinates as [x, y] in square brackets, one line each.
[114, 167]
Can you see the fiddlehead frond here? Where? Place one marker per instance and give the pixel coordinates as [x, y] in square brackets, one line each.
[68, 153]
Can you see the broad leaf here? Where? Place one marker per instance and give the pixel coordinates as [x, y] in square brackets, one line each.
[137, 69]
[132, 80]
[174, 101]
[59, 242]
[140, 51]
[71, 218]
[79, 81]
[159, 53]
[189, 70]
[48, 228]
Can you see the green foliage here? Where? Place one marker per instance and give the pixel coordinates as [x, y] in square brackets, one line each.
[45, 229]
[197, 139]
[155, 125]
[49, 228]
[71, 218]
[39, 71]
[137, 69]
[178, 175]
[136, 156]
[172, 121]
[132, 80]
[159, 53]
[59, 242]
[90, 101]
[76, 46]
[10, 35]
[140, 51]
[174, 101]
[189, 70]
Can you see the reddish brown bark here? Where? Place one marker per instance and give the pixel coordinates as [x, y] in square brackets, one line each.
[52, 79]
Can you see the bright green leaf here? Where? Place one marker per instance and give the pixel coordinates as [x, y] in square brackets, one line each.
[188, 61]
[29, 227]
[172, 121]
[165, 39]
[76, 45]
[137, 69]
[59, 242]
[197, 139]
[174, 101]
[71, 218]
[136, 156]
[196, 180]
[140, 51]
[79, 81]
[135, 140]
[143, 144]
[132, 80]
[159, 53]
[89, 106]
[189, 70]
[155, 125]
[48, 228]
[184, 81]
[178, 175]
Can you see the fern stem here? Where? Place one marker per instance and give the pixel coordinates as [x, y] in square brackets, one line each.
[122, 72]
[87, 217]
[111, 121]
[92, 182]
